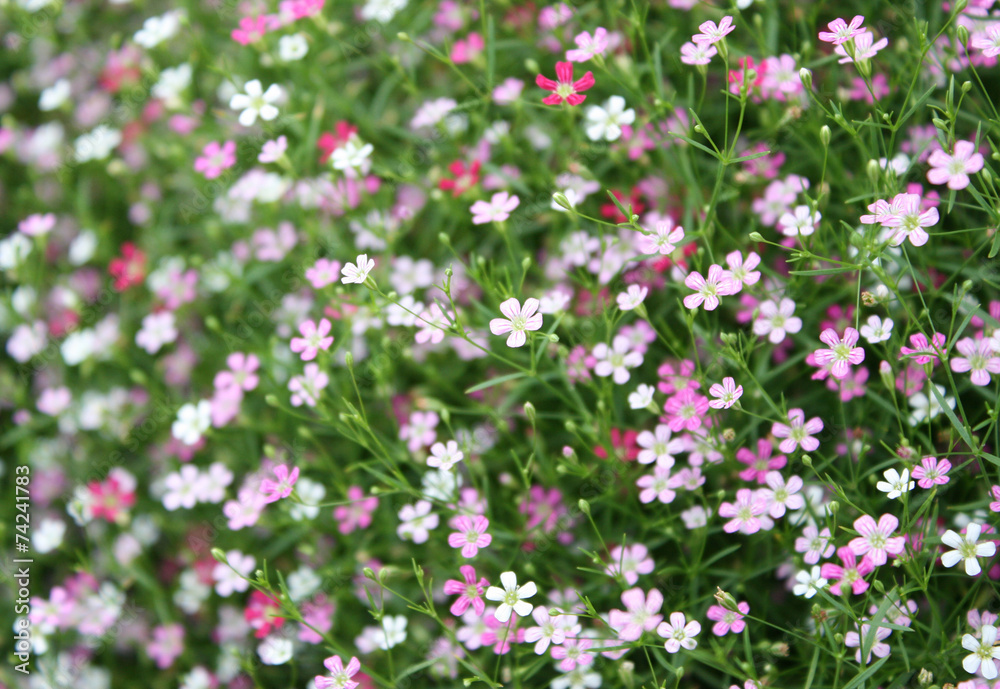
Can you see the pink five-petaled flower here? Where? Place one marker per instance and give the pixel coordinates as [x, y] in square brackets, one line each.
[878, 646]
[497, 209]
[990, 43]
[728, 620]
[282, 488]
[954, 169]
[314, 338]
[719, 283]
[725, 394]
[876, 539]
[908, 220]
[679, 633]
[799, 433]
[471, 535]
[926, 352]
[842, 353]
[340, 676]
[565, 89]
[588, 46]
[744, 514]
[850, 574]
[841, 32]
[469, 592]
[710, 33]
[215, 158]
[240, 374]
[356, 514]
[519, 318]
[977, 356]
[640, 614]
[931, 472]
[865, 48]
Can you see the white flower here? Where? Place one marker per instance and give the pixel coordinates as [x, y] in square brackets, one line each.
[292, 48]
[48, 535]
[877, 330]
[155, 30]
[895, 484]
[444, 457]
[809, 582]
[966, 548]
[172, 83]
[228, 581]
[255, 101]
[78, 346]
[605, 123]
[357, 273]
[927, 407]
[311, 493]
[627, 301]
[97, 144]
[417, 521]
[642, 397]
[157, 330]
[511, 597]
[984, 652]
[192, 422]
[381, 10]
[304, 581]
[13, 250]
[393, 632]
[616, 359]
[518, 320]
[54, 96]
[275, 650]
[352, 154]
[82, 248]
[800, 224]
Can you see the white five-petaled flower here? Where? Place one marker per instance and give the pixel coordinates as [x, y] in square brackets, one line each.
[511, 597]
[809, 582]
[616, 360]
[984, 651]
[679, 633]
[877, 330]
[642, 397]
[256, 102]
[605, 122]
[357, 273]
[518, 319]
[192, 422]
[966, 548]
[895, 484]
[351, 155]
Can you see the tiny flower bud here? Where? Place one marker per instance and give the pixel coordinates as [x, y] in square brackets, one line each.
[584, 506]
[349, 360]
[444, 239]
[729, 435]
[403, 36]
[529, 411]
[807, 460]
[834, 507]
[271, 400]
[966, 85]
[807, 78]
[824, 135]
[878, 586]
[699, 129]
[562, 201]
[756, 236]
[219, 555]
[526, 263]
[726, 600]
[874, 170]
[369, 573]
[570, 427]
[925, 677]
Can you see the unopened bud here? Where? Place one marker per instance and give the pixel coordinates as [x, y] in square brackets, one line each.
[584, 506]
[403, 36]
[756, 236]
[824, 135]
[878, 586]
[699, 129]
[807, 78]
[570, 427]
[444, 239]
[369, 573]
[529, 411]
[874, 170]
[349, 360]
[966, 85]
[562, 201]
[726, 600]
[807, 460]
[834, 507]
[219, 555]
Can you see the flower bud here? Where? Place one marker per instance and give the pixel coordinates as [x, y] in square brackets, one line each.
[219, 556]
[349, 360]
[756, 236]
[726, 600]
[584, 506]
[806, 76]
[824, 135]
[529, 411]
[404, 37]
[444, 239]
[874, 170]
[562, 201]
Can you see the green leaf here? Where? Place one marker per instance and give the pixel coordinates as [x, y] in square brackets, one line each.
[863, 676]
[495, 381]
[825, 271]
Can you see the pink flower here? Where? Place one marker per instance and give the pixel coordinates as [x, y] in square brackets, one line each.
[573, 654]
[519, 319]
[282, 488]
[878, 647]
[864, 48]
[728, 620]
[565, 89]
[990, 43]
[685, 410]
[167, 644]
[323, 273]
[842, 353]
[995, 505]
[954, 169]
[632, 560]
[252, 29]
[497, 209]
[850, 574]
[759, 464]
[876, 539]
[313, 339]
[908, 220]
[707, 291]
[340, 677]
[744, 514]
[814, 543]
[357, 514]
[588, 46]
[923, 352]
[471, 535]
[932, 472]
[799, 433]
[725, 394]
[977, 356]
[241, 373]
[697, 53]
[841, 32]
[710, 33]
[470, 592]
[215, 158]
[640, 614]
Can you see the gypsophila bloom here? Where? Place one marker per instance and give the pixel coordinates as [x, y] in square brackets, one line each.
[842, 353]
[698, 53]
[840, 31]
[497, 209]
[927, 406]
[314, 338]
[776, 320]
[708, 289]
[274, 490]
[978, 357]
[511, 597]
[470, 535]
[728, 620]
[192, 422]
[642, 397]
[605, 123]
[853, 639]
[518, 320]
[663, 240]
[932, 472]
[616, 360]
[588, 46]
[799, 433]
[809, 582]
[895, 484]
[954, 169]
[445, 457]
[877, 330]
[629, 300]
[565, 89]
[876, 539]
[984, 652]
[679, 633]
[339, 676]
[726, 394]
[967, 548]
[255, 101]
[416, 521]
[357, 273]
[710, 33]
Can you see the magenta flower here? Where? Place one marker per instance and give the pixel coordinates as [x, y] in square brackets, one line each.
[719, 283]
[728, 620]
[471, 535]
[640, 614]
[313, 339]
[470, 592]
[977, 356]
[340, 677]
[850, 573]
[519, 318]
[876, 539]
[685, 410]
[995, 493]
[923, 352]
[744, 514]
[215, 158]
[497, 209]
[759, 464]
[931, 472]
[565, 89]
[954, 169]
[710, 33]
[799, 433]
[841, 32]
[842, 353]
[282, 488]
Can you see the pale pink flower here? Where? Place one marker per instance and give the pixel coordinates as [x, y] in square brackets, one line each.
[799, 433]
[990, 43]
[314, 338]
[470, 535]
[878, 647]
[923, 352]
[518, 320]
[588, 46]
[324, 272]
[697, 53]
[876, 539]
[497, 209]
[744, 515]
[841, 32]
[469, 592]
[640, 614]
[726, 394]
[215, 158]
[276, 490]
[842, 353]
[865, 47]
[932, 472]
[664, 239]
[954, 169]
[710, 33]
[978, 357]
[728, 620]
[340, 676]
[708, 290]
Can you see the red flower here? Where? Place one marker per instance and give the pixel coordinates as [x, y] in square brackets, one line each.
[463, 178]
[129, 269]
[610, 210]
[109, 499]
[565, 89]
[625, 446]
[260, 613]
